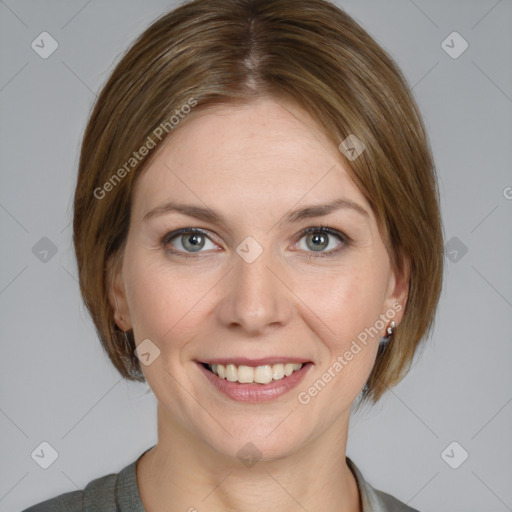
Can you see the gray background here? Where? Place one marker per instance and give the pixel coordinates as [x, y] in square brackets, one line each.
[57, 385]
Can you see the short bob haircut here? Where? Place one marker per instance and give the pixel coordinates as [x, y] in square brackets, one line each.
[207, 53]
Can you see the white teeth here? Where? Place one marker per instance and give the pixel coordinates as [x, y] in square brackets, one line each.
[278, 371]
[263, 374]
[245, 374]
[288, 369]
[231, 373]
[260, 374]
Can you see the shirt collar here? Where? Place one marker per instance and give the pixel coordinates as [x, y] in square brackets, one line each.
[370, 500]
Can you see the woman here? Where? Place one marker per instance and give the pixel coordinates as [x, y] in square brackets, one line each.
[258, 236]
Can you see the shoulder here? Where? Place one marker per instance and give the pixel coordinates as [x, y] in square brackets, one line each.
[98, 496]
[67, 502]
[374, 500]
[392, 504]
[115, 492]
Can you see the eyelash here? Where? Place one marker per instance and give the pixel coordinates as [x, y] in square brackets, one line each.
[344, 239]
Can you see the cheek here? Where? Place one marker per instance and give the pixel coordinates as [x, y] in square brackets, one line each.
[343, 309]
[347, 300]
[162, 300]
[342, 306]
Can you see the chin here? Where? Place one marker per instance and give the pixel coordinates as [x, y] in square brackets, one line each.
[262, 440]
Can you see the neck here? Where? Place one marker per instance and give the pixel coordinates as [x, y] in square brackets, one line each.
[184, 471]
[190, 475]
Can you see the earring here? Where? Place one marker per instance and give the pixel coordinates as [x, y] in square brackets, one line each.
[389, 334]
[391, 329]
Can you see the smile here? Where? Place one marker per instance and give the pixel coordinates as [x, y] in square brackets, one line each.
[254, 383]
[249, 374]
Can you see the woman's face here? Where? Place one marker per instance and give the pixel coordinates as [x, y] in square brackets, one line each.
[250, 287]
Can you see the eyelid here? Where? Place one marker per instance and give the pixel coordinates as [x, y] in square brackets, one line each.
[324, 229]
[175, 233]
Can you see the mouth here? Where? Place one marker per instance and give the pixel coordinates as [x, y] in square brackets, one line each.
[261, 374]
[253, 381]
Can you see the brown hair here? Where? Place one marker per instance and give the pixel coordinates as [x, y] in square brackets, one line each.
[210, 52]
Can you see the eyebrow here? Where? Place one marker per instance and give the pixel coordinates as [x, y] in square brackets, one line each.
[209, 215]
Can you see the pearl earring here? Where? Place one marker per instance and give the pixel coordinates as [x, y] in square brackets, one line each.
[391, 329]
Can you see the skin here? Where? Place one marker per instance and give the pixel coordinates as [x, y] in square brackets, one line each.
[253, 164]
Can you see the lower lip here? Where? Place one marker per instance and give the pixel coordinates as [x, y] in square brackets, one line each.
[253, 393]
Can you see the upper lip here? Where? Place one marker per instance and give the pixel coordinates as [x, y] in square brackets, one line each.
[262, 361]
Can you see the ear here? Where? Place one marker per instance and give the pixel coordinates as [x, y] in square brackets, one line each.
[117, 292]
[398, 288]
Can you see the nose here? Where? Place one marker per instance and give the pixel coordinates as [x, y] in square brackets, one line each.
[255, 298]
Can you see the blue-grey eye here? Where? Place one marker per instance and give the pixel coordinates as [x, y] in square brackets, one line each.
[320, 240]
[317, 242]
[192, 242]
[189, 241]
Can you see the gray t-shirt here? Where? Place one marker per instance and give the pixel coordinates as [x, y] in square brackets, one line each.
[118, 492]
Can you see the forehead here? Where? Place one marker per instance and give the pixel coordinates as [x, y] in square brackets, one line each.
[254, 156]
